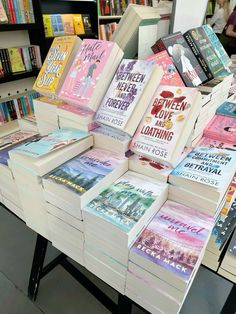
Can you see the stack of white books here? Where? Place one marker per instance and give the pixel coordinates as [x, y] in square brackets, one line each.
[113, 220]
[70, 187]
[74, 117]
[8, 189]
[45, 110]
[30, 161]
[202, 178]
[166, 256]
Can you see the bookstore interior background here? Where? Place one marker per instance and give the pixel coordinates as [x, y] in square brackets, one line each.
[117, 156]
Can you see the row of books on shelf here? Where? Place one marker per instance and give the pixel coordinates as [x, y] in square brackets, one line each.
[19, 59]
[16, 11]
[66, 24]
[118, 7]
[106, 30]
[17, 108]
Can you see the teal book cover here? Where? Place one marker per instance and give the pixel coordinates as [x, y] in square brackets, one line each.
[83, 172]
[227, 109]
[126, 200]
[51, 142]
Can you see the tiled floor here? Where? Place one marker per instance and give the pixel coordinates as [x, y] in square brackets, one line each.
[59, 293]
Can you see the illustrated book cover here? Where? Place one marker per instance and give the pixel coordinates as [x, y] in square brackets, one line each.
[175, 238]
[14, 138]
[206, 141]
[222, 128]
[227, 109]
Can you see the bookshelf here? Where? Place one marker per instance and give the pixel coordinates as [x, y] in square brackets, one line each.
[18, 76]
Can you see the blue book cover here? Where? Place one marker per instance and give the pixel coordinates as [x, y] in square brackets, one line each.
[84, 171]
[113, 133]
[51, 142]
[126, 200]
[210, 166]
[57, 24]
[227, 109]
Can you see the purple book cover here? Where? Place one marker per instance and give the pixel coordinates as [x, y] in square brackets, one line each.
[175, 238]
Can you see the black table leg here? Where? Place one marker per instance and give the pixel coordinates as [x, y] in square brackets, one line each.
[37, 266]
[124, 305]
[230, 303]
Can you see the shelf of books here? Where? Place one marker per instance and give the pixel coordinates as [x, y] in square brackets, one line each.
[132, 164]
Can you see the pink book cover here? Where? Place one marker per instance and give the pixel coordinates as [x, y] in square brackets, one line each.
[86, 71]
[175, 238]
[222, 128]
[77, 110]
[209, 142]
[171, 75]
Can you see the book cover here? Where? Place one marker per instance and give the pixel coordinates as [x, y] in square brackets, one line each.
[171, 75]
[87, 23]
[186, 63]
[77, 110]
[216, 44]
[81, 173]
[51, 142]
[57, 24]
[161, 126]
[14, 138]
[78, 24]
[86, 71]
[232, 245]
[113, 133]
[16, 61]
[47, 25]
[125, 201]
[227, 109]
[67, 22]
[3, 15]
[222, 128]
[124, 92]
[54, 64]
[209, 142]
[209, 166]
[175, 238]
[207, 51]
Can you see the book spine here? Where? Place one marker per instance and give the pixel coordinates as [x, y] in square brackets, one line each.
[8, 62]
[32, 58]
[5, 111]
[31, 11]
[26, 10]
[3, 61]
[11, 11]
[20, 108]
[196, 51]
[158, 46]
[4, 3]
[16, 10]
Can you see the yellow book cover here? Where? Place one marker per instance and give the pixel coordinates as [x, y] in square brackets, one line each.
[67, 22]
[56, 64]
[47, 25]
[51, 101]
[17, 64]
[78, 24]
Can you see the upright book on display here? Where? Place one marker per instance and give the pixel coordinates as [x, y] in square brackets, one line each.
[129, 94]
[186, 63]
[167, 124]
[91, 73]
[56, 65]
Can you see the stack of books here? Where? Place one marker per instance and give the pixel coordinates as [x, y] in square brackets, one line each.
[113, 220]
[19, 59]
[30, 161]
[202, 178]
[45, 110]
[8, 188]
[70, 187]
[166, 256]
[221, 232]
[227, 268]
[70, 116]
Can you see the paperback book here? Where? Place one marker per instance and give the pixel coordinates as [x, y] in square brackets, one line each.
[222, 128]
[124, 104]
[86, 80]
[51, 142]
[126, 200]
[208, 166]
[83, 172]
[186, 63]
[166, 126]
[171, 75]
[227, 109]
[56, 65]
[173, 241]
[14, 138]
[209, 142]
